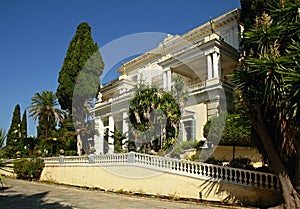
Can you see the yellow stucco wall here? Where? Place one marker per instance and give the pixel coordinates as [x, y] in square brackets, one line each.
[145, 181]
[226, 153]
[133, 179]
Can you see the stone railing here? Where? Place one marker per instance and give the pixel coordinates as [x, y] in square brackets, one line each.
[201, 170]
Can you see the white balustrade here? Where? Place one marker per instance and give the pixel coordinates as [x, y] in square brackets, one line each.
[176, 166]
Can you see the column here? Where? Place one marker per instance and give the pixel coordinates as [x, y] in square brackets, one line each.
[99, 136]
[182, 132]
[169, 80]
[111, 128]
[209, 66]
[216, 65]
[164, 73]
[125, 127]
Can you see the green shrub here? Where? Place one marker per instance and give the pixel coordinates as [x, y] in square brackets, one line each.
[198, 144]
[28, 169]
[187, 144]
[177, 151]
[195, 157]
[243, 163]
[214, 161]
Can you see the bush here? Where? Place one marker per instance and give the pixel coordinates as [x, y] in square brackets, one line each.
[198, 144]
[214, 161]
[28, 169]
[195, 157]
[243, 163]
[177, 151]
[187, 144]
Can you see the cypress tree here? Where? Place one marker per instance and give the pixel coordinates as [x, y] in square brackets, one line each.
[81, 49]
[79, 78]
[14, 134]
[24, 125]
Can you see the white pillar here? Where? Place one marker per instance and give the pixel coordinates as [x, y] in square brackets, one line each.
[209, 66]
[164, 79]
[169, 80]
[125, 127]
[111, 128]
[99, 136]
[216, 65]
[183, 132]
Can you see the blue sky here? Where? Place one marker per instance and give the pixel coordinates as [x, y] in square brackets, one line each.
[35, 34]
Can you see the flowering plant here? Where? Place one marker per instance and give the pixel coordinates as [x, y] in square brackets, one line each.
[29, 169]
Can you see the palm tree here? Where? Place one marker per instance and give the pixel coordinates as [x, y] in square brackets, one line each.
[154, 113]
[43, 108]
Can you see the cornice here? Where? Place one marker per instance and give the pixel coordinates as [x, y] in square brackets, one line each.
[171, 45]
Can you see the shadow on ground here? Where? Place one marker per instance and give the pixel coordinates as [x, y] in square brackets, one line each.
[9, 200]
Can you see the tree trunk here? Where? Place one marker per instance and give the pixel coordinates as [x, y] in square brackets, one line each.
[297, 165]
[289, 193]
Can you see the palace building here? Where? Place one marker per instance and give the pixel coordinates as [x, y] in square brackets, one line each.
[203, 58]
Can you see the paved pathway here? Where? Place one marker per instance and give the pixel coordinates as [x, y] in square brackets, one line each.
[34, 195]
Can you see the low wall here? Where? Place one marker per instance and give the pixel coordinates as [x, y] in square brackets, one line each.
[226, 153]
[132, 179]
[130, 175]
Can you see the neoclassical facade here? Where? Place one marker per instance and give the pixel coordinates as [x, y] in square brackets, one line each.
[203, 57]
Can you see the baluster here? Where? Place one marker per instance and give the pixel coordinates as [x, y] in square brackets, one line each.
[221, 175]
[262, 180]
[237, 176]
[214, 172]
[202, 169]
[143, 159]
[219, 172]
[197, 169]
[224, 174]
[208, 171]
[205, 170]
[271, 182]
[193, 170]
[180, 166]
[258, 180]
[231, 175]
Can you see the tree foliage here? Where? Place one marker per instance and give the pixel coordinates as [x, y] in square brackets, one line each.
[81, 48]
[24, 125]
[13, 135]
[237, 130]
[79, 79]
[118, 137]
[44, 109]
[268, 86]
[155, 115]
